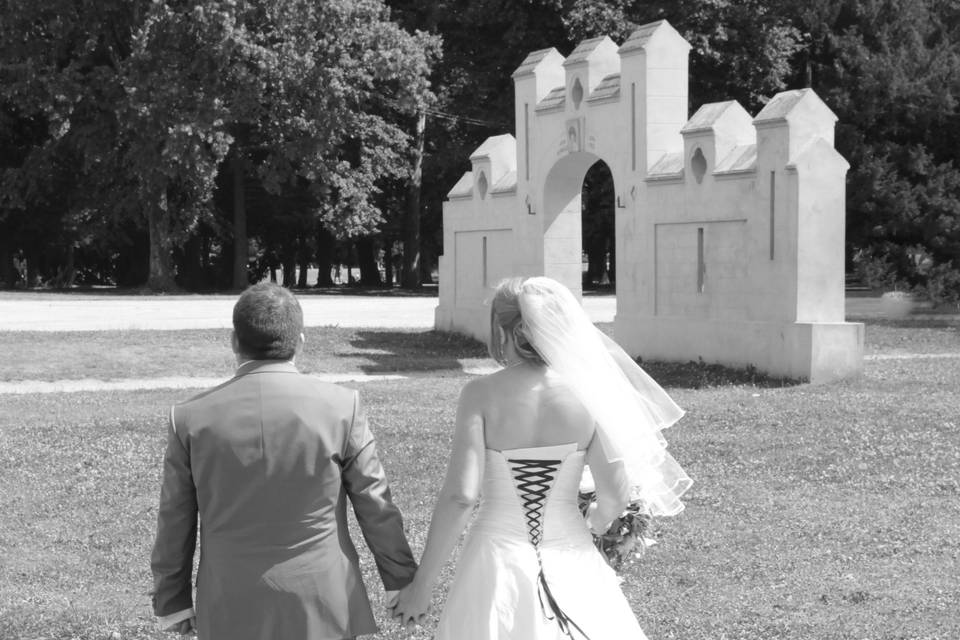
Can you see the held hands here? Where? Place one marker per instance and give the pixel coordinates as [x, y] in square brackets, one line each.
[186, 627]
[410, 606]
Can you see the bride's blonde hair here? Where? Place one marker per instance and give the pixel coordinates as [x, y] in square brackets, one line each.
[505, 317]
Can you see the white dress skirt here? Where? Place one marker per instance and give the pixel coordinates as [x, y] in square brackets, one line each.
[529, 570]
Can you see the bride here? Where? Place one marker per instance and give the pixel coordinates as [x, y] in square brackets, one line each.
[567, 396]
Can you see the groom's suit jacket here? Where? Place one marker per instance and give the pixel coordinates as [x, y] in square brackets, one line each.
[267, 461]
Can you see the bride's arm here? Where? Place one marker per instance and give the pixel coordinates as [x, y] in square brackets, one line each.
[460, 493]
[612, 485]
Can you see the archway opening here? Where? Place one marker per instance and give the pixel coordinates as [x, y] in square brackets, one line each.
[598, 207]
[579, 210]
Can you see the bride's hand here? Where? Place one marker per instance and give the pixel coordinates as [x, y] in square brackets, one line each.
[412, 605]
[597, 526]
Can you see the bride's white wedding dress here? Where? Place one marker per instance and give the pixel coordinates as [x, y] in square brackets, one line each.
[529, 570]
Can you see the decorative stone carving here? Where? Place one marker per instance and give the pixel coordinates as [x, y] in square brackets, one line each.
[576, 93]
[698, 165]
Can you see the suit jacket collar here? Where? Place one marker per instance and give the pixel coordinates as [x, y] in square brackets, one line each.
[266, 366]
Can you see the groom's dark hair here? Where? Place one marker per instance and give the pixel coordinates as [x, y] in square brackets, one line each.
[268, 322]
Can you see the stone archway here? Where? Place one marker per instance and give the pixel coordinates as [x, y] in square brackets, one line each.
[729, 228]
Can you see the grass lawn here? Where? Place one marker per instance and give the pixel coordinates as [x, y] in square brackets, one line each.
[818, 513]
[108, 355]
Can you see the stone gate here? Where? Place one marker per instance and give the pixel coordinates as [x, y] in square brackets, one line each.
[729, 228]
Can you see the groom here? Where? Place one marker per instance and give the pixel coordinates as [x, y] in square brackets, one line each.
[267, 461]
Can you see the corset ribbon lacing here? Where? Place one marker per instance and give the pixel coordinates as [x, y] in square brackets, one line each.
[534, 479]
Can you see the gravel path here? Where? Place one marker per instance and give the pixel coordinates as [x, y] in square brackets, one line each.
[74, 312]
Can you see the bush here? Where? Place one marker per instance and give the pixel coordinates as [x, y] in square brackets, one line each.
[912, 269]
[943, 284]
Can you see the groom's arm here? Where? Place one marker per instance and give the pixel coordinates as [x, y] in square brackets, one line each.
[172, 557]
[379, 519]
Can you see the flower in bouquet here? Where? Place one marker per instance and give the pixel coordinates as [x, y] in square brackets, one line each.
[625, 539]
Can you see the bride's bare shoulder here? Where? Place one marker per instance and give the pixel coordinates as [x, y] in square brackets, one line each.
[492, 382]
[476, 388]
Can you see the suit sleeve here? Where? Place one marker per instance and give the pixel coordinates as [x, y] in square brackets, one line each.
[379, 519]
[172, 559]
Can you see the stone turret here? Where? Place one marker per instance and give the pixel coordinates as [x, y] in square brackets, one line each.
[540, 73]
[714, 133]
[587, 66]
[654, 79]
[788, 122]
[493, 161]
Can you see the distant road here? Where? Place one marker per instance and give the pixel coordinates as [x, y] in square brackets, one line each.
[80, 312]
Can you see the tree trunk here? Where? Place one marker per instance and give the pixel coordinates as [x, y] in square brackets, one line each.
[30, 269]
[288, 261]
[66, 273]
[6, 262]
[241, 249]
[426, 263]
[190, 268]
[160, 276]
[389, 273]
[367, 261]
[350, 261]
[304, 260]
[411, 222]
[326, 246]
[596, 261]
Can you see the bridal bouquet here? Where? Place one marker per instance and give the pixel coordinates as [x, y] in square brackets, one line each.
[625, 538]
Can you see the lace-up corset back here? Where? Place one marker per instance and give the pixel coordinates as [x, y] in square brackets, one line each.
[531, 495]
[528, 569]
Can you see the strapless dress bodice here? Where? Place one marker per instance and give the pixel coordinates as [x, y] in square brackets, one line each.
[530, 496]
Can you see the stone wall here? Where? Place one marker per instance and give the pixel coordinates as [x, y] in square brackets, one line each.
[729, 228]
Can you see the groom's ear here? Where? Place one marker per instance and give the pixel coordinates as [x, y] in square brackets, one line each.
[300, 344]
[234, 342]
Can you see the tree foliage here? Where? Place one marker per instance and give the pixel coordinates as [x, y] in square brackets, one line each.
[891, 71]
[312, 94]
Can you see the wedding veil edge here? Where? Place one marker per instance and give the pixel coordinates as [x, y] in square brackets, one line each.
[629, 407]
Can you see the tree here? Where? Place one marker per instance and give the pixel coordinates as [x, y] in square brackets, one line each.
[484, 41]
[60, 83]
[150, 102]
[740, 49]
[891, 71]
[411, 225]
[294, 88]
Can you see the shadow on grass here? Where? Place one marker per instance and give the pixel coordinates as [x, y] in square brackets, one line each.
[390, 351]
[701, 375]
